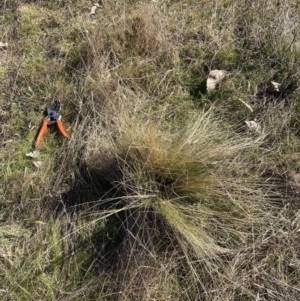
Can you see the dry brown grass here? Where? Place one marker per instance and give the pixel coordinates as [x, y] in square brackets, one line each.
[154, 197]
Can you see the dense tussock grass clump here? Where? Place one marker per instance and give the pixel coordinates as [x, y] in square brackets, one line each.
[190, 177]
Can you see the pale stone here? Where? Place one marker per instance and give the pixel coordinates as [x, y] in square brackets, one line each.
[274, 87]
[3, 45]
[214, 79]
[93, 9]
[253, 126]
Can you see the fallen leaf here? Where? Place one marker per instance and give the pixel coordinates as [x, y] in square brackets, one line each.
[33, 154]
[37, 164]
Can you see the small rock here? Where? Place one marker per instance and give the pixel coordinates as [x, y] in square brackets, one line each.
[253, 126]
[3, 45]
[274, 87]
[93, 9]
[214, 79]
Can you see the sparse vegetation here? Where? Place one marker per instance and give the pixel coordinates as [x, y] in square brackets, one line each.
[162, 193]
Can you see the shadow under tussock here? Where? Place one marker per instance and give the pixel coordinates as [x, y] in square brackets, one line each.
[131, 244]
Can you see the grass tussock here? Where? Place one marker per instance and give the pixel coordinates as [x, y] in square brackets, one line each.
[189, 172]
[162, 193]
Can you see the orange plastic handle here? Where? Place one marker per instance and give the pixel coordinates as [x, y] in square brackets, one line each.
[42, 131]
[61, 129]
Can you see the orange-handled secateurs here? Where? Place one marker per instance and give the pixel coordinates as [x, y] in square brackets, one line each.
[51, 117]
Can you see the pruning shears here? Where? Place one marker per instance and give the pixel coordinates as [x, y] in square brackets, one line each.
[51, 117]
